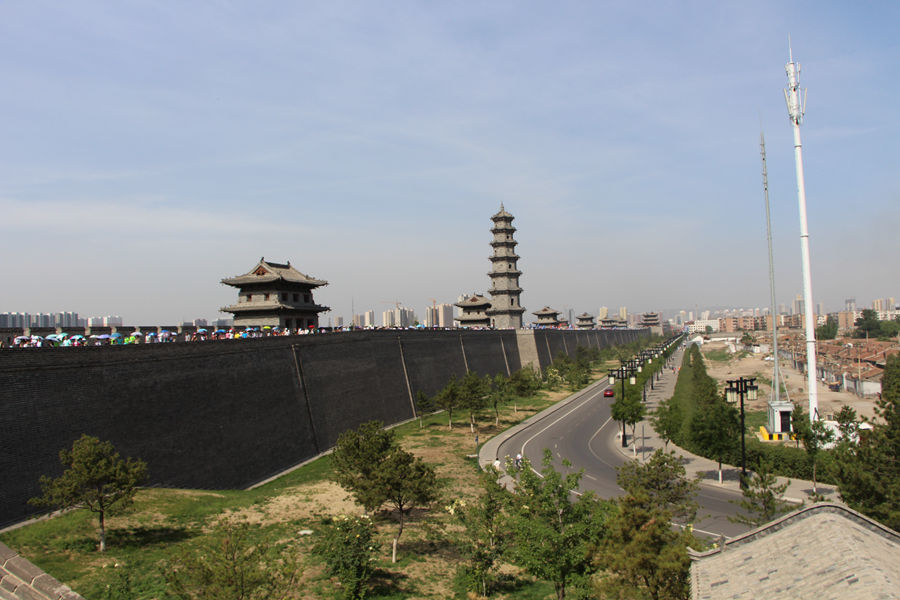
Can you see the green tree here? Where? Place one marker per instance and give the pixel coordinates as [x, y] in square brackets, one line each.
[449, 398]
[407, 482]
[501, 393]
[868, 473]
[762, 497]
[814, 435]
[552, 533]
[643, 555]
[888, 329]
[848, 425]
[663, 481]
[747, 339]
[628, 410]
[485, 536]
[370, 464]
[347, 549]
[828, 331]
[232, 564]
[708, 329]
[473, 395]
[357, 459]
[716, 430]
[96, 478]
[666, 421]
[868, 324]
[424, 405]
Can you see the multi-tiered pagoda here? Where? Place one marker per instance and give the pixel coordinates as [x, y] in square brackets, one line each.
[506, 308]
[276, 295]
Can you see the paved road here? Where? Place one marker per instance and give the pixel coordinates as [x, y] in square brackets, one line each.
[582, 431]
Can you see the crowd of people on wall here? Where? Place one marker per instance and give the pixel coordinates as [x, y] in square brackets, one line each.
[149, 337]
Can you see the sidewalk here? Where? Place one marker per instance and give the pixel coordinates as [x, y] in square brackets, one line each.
[798, 490]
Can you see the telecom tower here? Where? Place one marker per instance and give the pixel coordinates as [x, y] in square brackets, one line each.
[796, 108]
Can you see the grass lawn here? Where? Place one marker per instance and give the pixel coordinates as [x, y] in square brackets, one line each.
[164, 523]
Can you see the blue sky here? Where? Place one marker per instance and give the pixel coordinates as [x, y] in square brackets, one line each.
[150, 149]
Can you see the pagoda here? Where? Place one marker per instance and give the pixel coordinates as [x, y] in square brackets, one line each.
[475, 310]
[505, 311]
[275, 295]
[546, 317]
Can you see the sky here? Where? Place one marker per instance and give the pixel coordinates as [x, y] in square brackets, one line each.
[149, 149]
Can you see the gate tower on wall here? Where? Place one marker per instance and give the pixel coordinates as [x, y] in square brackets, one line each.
[506, 307]
[275, 295]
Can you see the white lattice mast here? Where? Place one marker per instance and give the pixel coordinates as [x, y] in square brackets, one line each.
[765, 174]
[796, 108]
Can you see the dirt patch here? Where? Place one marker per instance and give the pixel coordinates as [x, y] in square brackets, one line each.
[302, 503]
[756, 365]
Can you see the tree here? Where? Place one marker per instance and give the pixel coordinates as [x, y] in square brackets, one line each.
[628, 410]
[666, 421]
[347, 548]
[716, 429]
[473, 395]
[762, 497]
[814, 435]
[501, 393]
[868, 473]
[663, 481]
[370, 464]
[868, 325]
[828, 331]
[231, 564]
[643, 554]
[553, 534]
[485, 536]
[708, 329]
[747, 339]
[449, 398]
[848, 425]
[96, 478]
[357, 458]
[424, 405]
[888, 329]
[407, 482]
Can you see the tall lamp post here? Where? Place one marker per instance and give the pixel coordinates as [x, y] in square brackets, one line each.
[622, 372]
[736, 390]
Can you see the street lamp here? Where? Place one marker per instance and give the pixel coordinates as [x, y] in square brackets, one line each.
[622, 372]
[736, 390]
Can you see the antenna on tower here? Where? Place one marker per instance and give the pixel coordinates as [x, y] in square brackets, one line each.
[795, 112]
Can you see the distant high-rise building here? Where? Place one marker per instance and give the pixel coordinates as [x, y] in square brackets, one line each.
[445, 315]
[820, 308]
[369, 319]
[704, 315]
[387, 319]
[603, 312]
[623, 313]
[339, 321]
[850, 305]
[797, 306]
[782, 309]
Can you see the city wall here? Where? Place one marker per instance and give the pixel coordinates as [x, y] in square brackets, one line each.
[230, 413]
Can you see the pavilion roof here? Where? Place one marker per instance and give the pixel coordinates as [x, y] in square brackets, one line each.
[546, 311]
[502, 214]
[819, 552]
[269, 272]
[473, 301]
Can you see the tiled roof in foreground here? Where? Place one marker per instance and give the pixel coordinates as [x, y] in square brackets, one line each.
[19, 578]
[820, 552]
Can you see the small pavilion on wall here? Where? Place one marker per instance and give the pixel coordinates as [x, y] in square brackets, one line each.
[474, 311]
[546, 317]
[585, 321]
[276, 295]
